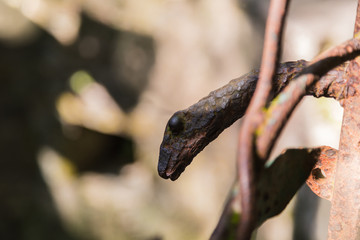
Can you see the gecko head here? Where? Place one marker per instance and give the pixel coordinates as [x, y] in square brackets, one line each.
[180, 145]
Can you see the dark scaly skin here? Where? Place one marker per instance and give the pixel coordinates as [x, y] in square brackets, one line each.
[189, 131]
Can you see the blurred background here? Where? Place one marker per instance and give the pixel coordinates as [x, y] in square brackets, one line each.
[87, 87]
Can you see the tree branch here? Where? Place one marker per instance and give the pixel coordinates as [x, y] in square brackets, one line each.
[276, 186]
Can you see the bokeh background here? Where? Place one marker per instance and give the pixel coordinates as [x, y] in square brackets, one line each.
[87, 87]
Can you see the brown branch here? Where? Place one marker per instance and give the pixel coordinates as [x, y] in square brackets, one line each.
[231, 102]
[321, 179]
[345, 205]
[246, 171]
[271, 52]
[276, 186]
[357, 21]
[283, 105]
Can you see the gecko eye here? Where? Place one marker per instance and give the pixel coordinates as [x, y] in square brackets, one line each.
[176, 124]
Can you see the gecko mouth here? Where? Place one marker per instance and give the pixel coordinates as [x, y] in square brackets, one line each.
[174, 158]
[175, 172]
[170, 168]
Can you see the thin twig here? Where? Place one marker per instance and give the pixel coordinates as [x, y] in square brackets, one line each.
[246, 175]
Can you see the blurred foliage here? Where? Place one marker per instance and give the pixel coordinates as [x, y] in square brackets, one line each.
[34, 73]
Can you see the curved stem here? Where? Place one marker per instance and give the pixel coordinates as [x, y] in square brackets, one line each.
[274, 26]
